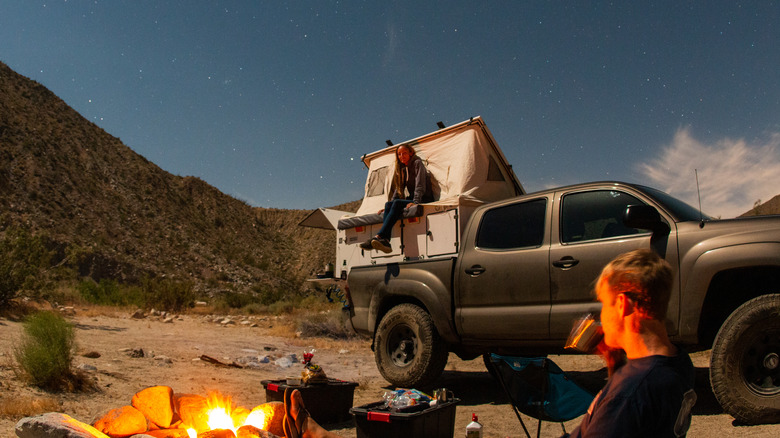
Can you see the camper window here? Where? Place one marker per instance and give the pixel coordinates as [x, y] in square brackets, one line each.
[376, 182]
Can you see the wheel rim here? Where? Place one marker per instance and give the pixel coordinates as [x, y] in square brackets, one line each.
[402, 345]
[761, 364]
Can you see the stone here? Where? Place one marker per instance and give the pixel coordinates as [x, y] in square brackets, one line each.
[87, 367]
[157, 404]
[121, 422]
[55, 425]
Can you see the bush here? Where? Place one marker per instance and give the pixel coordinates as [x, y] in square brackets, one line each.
[23, 257]
[267, 295]
[325, 325]
[46, 351]
[236, 300]
[110, 293]
[168, 295]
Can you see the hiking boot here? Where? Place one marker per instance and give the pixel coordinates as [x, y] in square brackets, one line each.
[382, 244]
[367, 244]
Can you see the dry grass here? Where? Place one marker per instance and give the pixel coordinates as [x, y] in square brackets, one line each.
[17, 407]
[94, 310]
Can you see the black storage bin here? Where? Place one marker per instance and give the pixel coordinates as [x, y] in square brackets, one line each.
[327, 403]
[374, 420]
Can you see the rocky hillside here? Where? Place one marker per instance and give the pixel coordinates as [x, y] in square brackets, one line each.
[771, 206]
[116, 215]
[110, 213]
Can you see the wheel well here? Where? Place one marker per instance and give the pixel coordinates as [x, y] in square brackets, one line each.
[388, 304]
[728, 290]
[393, 301]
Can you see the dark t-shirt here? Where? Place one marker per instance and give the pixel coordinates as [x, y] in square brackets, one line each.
[647, 397]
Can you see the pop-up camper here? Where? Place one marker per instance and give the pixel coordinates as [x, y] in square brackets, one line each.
[467, 169]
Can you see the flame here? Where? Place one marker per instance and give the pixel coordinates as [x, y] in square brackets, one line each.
[219, 418]
[220, 413]
[257, 419]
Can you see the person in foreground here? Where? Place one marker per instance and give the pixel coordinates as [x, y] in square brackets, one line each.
[297, 421]
[410, 176]
[652, 394]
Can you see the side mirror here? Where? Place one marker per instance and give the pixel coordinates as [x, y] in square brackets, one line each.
[647, 218]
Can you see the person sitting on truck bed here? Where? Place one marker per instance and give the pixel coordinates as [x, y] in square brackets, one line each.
[410, 176]
[652, 394]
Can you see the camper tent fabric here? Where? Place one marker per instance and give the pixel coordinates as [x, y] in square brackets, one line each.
[464, 166]
[539, 388]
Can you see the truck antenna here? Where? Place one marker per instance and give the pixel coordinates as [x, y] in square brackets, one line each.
[698, 193]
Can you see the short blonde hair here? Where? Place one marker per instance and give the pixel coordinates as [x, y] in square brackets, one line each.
[644, 277]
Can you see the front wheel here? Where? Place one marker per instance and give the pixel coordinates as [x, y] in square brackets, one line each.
[745, 364]
[409, 352]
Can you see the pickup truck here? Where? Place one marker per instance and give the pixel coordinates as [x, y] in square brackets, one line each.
[524, 272]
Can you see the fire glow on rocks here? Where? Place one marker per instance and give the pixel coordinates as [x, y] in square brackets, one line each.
[222, 415]
[157, 411]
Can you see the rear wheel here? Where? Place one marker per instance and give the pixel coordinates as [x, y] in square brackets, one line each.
[745, 365]
[409, 352]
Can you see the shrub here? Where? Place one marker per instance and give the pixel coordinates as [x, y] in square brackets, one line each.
[236, 300]
[168, 295]
[325, 325]
[267, 295]
[46, 352]
[23, 257]
[111, 293]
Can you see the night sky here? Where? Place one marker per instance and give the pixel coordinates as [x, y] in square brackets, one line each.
[275, 102]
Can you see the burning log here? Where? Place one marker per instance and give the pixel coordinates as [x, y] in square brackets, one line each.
[122, 422]
[156, 403]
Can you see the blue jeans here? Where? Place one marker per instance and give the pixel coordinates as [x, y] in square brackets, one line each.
[393, 211]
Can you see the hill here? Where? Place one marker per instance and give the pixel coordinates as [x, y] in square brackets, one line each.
[771, 206]
[111, 213]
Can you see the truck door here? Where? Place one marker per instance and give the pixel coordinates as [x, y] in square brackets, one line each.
[590, 233]
[502, 288]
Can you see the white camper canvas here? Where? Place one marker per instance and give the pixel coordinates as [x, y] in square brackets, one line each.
[464, 162]
[467, 169]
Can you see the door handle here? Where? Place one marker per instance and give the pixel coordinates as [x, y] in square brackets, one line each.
[566, 262]
[475, 270]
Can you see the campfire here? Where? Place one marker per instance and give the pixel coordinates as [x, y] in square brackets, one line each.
[158, 412]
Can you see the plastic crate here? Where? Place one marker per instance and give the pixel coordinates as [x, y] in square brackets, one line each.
[375, 421]
[327, 403]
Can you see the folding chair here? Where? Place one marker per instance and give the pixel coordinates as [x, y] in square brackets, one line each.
[537, 387]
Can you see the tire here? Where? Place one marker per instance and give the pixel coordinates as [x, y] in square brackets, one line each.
[745, 363]
[409, 352]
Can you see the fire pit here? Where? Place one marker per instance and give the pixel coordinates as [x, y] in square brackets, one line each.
[160, 413]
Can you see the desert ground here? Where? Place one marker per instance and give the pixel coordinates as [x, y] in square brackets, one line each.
[172, 348]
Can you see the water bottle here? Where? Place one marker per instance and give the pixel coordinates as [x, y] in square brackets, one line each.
[474, 429]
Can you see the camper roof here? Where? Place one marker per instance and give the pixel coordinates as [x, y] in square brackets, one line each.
[464, 161]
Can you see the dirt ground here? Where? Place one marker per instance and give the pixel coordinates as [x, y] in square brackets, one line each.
[172, 351]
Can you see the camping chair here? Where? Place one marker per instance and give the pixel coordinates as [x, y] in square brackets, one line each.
[537, 387]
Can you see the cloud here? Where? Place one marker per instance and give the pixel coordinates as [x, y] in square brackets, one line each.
[392, 45]
[732, 174]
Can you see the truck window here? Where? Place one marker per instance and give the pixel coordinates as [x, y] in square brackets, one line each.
[595, 215]
[376, 182]
[513, 226]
